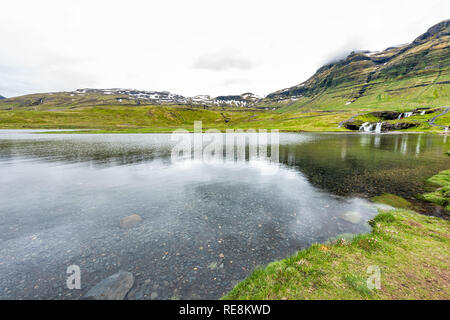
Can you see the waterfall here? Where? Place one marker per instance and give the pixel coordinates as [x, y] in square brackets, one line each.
[405, 115]
[422, 113]
[366, 127]
[369, 127]
[363, 126]
[378, 127]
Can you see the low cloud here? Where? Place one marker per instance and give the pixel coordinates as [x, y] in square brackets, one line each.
[222, 61]
[343, 51]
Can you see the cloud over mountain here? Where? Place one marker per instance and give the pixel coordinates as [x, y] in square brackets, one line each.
[223, 60]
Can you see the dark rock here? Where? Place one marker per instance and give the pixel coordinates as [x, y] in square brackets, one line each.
[229, 98]
[37, 102]
[114, 287]
[438, 30]
[355, 125]
[426, 110]
[398, 126]
[386, 115]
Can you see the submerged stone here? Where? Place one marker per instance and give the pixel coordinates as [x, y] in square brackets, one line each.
[383, 206]
[130, 221]
[114, 287]
[352, 216]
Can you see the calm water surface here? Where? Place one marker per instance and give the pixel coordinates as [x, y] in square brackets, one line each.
[205, 225]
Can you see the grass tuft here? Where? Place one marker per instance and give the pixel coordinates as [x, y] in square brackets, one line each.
[441, 196]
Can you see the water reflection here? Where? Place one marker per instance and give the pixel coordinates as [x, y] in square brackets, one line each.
[205, 224]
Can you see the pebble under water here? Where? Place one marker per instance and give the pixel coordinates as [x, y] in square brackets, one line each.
[205, 226]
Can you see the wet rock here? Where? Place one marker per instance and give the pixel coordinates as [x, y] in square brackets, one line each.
[130, 221]
[352, 216]
[114, 287]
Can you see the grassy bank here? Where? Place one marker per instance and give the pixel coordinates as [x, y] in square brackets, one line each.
[411, 250]
[168, 118]
[148, 119]
[441, 196]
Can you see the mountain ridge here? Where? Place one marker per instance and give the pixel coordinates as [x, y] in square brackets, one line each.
[414, 73]
[123, 96]
[427, 55]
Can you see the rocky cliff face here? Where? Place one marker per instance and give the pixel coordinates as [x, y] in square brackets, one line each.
[428, 57]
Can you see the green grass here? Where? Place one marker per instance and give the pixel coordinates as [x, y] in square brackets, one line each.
[145, 119]
[148, 119]
[393, 201]
[441, 196]
[410, 249]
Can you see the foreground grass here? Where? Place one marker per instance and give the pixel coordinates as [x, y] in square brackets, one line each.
[441, 196]
[411, 250]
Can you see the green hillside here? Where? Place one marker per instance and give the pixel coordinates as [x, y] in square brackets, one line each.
[398, 79]
[403, 78]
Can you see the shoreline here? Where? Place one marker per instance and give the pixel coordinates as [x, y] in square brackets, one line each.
[379, 245]
[144, 131]
[340, 269]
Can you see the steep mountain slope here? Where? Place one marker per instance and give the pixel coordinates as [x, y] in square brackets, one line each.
[412, 74]
[2, 97]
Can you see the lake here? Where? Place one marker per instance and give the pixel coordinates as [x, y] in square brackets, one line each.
[206, 224]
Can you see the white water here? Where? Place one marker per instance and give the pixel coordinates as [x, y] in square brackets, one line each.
[404, 115]
[422, 113]
[378, 127]
[366, 127]
[371, 127]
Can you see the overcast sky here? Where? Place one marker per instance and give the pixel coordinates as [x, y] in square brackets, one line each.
[196, 46]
